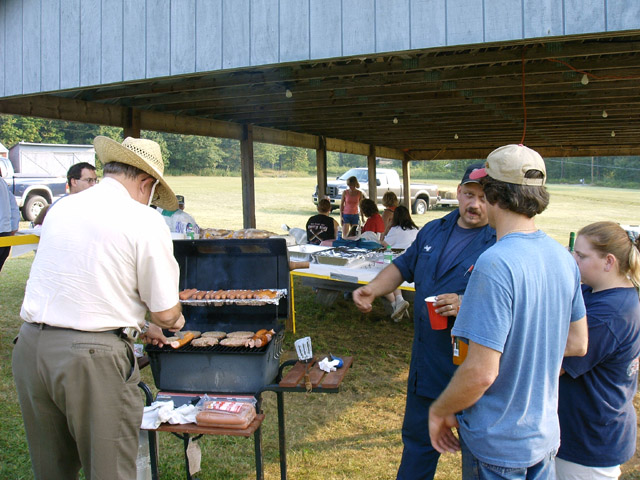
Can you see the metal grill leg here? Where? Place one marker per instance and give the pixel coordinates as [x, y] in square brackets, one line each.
[282, 441]
[257, 442]
[153, 446]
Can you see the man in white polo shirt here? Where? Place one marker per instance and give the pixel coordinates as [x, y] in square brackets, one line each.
[104, 259]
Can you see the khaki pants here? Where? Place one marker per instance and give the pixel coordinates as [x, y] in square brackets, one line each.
[80, 402]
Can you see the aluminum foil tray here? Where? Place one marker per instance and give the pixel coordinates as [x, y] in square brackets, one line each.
[305, 252]
[345, 256]
[281, 293]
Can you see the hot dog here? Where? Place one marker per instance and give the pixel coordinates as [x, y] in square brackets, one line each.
[187, 294]
[182, 341]
[265, 294]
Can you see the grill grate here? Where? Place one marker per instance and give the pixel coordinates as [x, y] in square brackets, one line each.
[213, 349]
[277, 341]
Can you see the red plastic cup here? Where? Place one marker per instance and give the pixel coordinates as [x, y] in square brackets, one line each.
[438, 322]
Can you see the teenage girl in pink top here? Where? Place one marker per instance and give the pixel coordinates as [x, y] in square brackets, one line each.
[349, 206]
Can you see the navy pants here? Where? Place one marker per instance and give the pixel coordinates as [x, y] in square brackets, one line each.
[419, 458]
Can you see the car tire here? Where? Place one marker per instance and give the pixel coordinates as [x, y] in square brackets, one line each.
[32, 207]
[420, 207]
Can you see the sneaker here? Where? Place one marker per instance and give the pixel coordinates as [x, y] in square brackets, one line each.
[399, 309]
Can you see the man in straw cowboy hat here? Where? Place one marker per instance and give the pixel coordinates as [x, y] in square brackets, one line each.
[105, 258]
[522, 312]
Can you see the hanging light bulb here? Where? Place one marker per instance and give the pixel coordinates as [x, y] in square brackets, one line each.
[287, 93]
[455, 136]
[584, 80]
[395, 120]
[604, 114]
[613, 133]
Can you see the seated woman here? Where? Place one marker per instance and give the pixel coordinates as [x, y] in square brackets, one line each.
[401, 234]
[374, 221]
[595, 404]
[390, 203]
[322, 227]
[403, 231]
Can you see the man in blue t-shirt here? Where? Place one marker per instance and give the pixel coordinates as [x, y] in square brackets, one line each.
[523, 311]
[439, 262]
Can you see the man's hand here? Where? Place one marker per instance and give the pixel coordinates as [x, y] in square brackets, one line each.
[441, 433]
[363, 297]
[448, 304]
[154, 336]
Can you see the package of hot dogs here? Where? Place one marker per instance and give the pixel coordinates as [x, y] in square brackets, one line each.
[225, 413]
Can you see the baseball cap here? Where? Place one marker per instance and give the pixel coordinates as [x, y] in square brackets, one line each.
[469, 171]
[510, 163]
[180, 199]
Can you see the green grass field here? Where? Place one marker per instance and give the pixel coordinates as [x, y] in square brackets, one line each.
[352, 435]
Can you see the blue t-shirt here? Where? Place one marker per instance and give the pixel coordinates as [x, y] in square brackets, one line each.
[432, 365]
[522, 294]
[597, 417]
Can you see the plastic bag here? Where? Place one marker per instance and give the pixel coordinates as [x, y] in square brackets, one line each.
[225, 412]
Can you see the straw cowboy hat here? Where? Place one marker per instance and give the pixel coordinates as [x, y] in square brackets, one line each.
[143, 154]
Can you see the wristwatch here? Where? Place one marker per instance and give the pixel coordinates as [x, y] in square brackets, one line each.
[145, 328]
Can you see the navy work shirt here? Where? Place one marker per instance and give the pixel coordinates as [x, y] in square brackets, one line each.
[432, 354]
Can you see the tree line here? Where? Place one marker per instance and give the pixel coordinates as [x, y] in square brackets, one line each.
[208, 156]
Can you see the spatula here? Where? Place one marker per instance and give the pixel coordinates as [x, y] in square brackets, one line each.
[305, 354]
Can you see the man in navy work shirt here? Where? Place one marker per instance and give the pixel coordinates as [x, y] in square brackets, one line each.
[439, 262]
[523, 310]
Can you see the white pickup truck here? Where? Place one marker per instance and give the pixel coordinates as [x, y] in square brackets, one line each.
[423, 196]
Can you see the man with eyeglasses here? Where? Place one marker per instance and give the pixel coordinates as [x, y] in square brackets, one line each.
[79, 177]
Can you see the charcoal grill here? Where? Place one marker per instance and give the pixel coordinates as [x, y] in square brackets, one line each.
[233, 264]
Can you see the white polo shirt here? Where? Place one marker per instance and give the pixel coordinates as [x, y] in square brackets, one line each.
[103, 260]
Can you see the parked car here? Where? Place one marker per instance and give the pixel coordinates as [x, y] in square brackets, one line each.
[423, 196]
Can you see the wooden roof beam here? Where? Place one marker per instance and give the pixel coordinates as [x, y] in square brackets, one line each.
[59, 108]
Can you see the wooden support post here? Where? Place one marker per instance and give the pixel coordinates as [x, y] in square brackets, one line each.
[406, 183]
[131, 123]
[371, 165]
[248, 178]
[321, 167]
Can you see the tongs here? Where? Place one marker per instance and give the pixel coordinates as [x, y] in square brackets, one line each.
[305, 354]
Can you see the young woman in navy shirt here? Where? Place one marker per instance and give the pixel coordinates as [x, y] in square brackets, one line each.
[597, 416]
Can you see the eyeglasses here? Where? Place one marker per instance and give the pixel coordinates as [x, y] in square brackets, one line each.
[90, 181]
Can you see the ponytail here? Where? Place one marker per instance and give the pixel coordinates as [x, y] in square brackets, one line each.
[609, 237]
[634, 261]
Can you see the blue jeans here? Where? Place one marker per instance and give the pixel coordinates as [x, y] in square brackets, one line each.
[474, 469]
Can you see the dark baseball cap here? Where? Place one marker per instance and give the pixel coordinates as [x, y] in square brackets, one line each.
[180, 199]
[469, 171]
